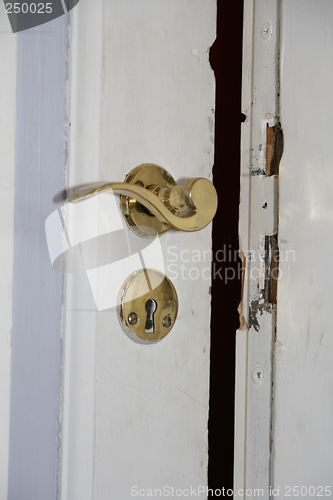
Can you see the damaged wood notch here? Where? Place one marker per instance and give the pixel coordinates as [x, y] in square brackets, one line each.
[274, 149]
[242, 321]
[271, 268]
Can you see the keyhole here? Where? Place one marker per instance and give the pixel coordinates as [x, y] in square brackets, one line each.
[151, 307]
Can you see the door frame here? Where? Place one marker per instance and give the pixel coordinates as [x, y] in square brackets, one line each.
[258, 219]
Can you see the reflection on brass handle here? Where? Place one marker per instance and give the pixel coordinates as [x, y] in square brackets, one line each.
[152, 202]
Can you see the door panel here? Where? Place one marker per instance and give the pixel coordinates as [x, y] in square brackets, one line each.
[141, 90]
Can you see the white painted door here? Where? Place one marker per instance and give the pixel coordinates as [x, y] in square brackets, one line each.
[87, 96]
[141, 90]
[284, 397]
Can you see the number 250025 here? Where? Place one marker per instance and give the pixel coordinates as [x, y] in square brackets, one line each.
[25, 8]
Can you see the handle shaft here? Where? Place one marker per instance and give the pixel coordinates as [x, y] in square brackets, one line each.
[199, 193]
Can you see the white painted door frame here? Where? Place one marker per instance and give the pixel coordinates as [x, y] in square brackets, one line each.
[33, 68]
[8, 56]
[257, 220]
[283, 436]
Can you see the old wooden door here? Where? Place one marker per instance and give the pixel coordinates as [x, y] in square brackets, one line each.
[89, 96]
[140, 90]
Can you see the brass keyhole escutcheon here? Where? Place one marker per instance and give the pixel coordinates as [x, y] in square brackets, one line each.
[148, 306]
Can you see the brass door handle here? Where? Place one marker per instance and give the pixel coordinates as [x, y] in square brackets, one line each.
[152, 202]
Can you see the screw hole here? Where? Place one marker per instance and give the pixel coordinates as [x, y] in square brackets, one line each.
[133, 318]
[167, 321]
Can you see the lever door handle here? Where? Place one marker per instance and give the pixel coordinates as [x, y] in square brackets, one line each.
[152, 202]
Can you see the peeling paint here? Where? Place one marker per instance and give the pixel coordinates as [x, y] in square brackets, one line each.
[255, 309]
[258, 171]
